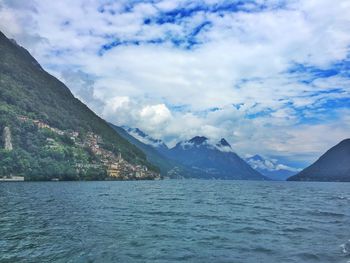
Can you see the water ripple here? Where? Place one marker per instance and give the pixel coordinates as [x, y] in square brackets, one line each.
[173, 221]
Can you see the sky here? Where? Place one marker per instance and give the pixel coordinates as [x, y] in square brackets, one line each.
[272, 77]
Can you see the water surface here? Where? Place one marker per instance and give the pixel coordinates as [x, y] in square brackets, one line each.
[174, 221]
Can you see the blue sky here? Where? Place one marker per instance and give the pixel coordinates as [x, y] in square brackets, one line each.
[272, 77]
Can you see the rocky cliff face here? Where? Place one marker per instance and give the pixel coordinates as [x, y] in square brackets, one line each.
[7, 139]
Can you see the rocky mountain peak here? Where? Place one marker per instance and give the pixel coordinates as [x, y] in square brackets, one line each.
[224, 143]
[198, 140]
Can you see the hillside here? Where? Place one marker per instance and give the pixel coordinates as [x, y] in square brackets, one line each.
[53, 134]
[333, 166]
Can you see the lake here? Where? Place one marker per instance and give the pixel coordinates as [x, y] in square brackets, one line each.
[174, 221]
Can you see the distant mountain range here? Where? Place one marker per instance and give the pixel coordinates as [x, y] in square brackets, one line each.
[202, 158]
[213, 160]
[196, 158]
[332, 166]
[271, 168]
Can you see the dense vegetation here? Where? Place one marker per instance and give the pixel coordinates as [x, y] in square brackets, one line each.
[27, 90]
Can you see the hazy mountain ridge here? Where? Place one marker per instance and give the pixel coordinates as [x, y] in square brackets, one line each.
[271, 168]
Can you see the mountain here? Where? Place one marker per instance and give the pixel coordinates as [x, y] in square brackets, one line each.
[52, 134]
[195, 158]
[153, 149]
[145, 138]
[213, 161]
[333, 166]
[223, 143]
[271, 168]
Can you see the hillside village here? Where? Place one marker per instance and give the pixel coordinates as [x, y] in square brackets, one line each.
[115, 166]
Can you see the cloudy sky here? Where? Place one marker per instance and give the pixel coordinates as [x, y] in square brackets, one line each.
[272, 77]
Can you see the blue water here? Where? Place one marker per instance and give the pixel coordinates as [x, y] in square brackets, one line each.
[174, 221]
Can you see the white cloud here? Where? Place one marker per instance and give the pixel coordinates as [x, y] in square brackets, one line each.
[155, 114]
[269, 165]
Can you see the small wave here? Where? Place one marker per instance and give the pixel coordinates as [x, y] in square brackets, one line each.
[340, 197]
[103, 194]
[346, 247]
[263, 250]
[262, 207]
[172, 199]
[309, 256]
[269, 221]
[296, 229]
[326, 213]
[252, 230]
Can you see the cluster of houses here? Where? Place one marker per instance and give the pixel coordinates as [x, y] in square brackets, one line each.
[122, 170]
[42, 125]
[117, 168]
